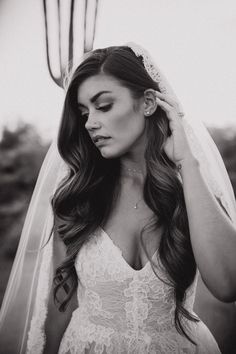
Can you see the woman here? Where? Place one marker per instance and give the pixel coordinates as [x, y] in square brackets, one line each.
[135, 214]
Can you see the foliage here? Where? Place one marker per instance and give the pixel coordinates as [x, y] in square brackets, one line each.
[22, 153]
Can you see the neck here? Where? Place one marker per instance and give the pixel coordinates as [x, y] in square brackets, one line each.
[135, 170]
[133, 163]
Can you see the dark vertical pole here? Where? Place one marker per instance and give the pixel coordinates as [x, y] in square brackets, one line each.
[89, 18]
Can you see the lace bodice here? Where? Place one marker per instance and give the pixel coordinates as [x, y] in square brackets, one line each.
[123, 310]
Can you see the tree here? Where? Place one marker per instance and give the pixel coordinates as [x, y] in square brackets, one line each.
[22, 153]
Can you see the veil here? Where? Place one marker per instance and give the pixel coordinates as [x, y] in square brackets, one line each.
[33, 259]
[24, 309]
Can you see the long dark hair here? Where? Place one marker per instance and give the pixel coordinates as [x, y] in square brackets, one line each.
[83, 200]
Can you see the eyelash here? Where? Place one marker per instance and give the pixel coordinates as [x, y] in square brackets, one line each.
[103, 109]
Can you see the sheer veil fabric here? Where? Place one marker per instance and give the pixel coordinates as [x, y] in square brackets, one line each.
[26, 288]
[24, 307]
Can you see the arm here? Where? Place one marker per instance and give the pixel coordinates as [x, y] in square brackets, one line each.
[57, 322]
[220, 317]
[213, 236]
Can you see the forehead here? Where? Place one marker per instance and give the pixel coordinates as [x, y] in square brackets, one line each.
[94, 84]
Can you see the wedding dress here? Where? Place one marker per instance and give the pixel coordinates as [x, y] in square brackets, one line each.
[123, 310]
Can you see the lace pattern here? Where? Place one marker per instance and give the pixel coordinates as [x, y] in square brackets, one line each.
[36, 335]
[123, 310]
[149, 65]
[153, 70]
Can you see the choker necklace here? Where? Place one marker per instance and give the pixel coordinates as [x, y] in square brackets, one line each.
[132, 170]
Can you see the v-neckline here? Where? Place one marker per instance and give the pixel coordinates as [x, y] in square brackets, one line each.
[107, 237]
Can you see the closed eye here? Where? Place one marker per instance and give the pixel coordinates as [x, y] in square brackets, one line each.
[105, 108]
[84, 116]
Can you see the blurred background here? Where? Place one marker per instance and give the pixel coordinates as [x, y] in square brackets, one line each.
[193, 42]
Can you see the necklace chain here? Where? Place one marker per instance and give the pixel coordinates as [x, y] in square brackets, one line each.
[137, 203]
[134, 170]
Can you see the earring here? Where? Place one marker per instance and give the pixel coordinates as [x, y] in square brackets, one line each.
[147, 113]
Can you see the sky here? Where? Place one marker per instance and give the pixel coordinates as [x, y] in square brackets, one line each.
[192, 41]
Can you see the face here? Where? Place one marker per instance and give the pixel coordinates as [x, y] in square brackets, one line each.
[114, 119]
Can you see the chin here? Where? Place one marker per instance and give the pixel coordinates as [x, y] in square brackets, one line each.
[109, 154]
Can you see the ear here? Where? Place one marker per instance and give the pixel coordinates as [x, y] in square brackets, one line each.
[150, 103]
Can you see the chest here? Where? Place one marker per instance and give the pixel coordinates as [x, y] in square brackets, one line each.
[128, 220]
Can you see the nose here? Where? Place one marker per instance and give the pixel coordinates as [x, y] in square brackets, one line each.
[92, 122]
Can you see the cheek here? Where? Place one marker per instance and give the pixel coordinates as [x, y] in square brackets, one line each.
[126, 127]
[123, 141]
[133, 129]
[128, 133]
[127, 123]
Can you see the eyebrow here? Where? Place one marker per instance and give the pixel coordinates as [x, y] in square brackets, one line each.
[95, 97]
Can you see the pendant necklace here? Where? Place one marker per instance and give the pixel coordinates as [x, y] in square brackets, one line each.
[134, 171]
[136, 204]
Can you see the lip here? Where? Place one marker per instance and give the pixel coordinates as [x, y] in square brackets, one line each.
[100, 139]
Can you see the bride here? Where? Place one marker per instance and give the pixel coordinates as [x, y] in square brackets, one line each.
[132, 202]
